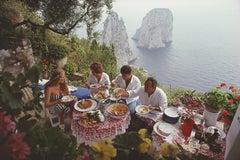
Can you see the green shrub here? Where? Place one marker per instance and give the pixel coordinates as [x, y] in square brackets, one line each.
[57, 51]
[70, 68]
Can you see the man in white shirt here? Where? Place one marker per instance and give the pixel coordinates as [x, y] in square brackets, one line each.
[129, 82]
[153, 96]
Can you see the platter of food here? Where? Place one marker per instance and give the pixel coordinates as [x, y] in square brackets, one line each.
[67, 98]
[91, 119]
[142, 109]
[117, 110]
[85, 105]
[95, 86]
[212, 129]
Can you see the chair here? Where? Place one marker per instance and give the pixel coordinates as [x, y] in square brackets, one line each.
[50, 113]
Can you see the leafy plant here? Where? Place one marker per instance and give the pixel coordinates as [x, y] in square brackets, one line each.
[70, 67]
[57, 51]
[216, 99]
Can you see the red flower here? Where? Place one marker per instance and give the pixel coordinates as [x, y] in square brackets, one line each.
[230, 101]
[225, 113]
[223, 85]
[231, 87]
[238, 97]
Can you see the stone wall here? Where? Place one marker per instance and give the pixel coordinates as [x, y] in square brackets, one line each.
[16, 55]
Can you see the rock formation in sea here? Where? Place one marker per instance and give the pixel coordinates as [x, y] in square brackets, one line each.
[156, 29]
[114, 32]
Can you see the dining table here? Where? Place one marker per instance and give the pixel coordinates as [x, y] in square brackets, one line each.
[109, 128]
[191, 144]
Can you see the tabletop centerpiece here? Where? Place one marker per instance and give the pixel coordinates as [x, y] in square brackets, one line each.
[193, 104]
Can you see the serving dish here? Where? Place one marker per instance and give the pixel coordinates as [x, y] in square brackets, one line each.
[67, 98]
[91, 119]
[171, 115]
[85, 105]
[142, 109]
[211, 130]
[117, 110]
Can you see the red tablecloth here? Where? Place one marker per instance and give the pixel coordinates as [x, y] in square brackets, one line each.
[107, 129]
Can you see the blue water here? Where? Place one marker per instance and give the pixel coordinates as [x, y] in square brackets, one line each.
[206, 42]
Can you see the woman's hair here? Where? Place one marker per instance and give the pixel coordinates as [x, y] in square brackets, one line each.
[96, 67]
[126, 69]
[55, 78]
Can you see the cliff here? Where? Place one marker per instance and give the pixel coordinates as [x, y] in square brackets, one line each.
[114, 32]
[156, 29]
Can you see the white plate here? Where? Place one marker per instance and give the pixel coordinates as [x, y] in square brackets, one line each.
[171, 112]
[67, 98]
[96, 86]
[142, 109]
[165, 125]
[72, 88]
[43, 81]
[212, 128]
[93, 106]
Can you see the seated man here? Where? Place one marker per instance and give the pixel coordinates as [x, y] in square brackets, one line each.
[153, 96]
[130, 83]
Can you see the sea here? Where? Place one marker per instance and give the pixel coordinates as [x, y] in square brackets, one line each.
[205, 50]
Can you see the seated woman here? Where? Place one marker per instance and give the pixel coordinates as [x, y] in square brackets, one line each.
[97, 76]
[54, 90]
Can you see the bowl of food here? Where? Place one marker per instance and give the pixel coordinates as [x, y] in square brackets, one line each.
[117, 110]
[142, 109]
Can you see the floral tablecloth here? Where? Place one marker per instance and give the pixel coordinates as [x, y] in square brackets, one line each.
[192, 144]
[110, 128]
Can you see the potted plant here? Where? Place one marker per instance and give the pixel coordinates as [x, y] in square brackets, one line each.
[58, 53]
[215, 100]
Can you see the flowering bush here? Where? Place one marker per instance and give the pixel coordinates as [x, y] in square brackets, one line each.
[193, 104]
[233, 95]
[47, 67]
[12, 145]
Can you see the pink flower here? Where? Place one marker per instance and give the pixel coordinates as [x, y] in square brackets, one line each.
[16, 148]
[85, 156]
[6, 125]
